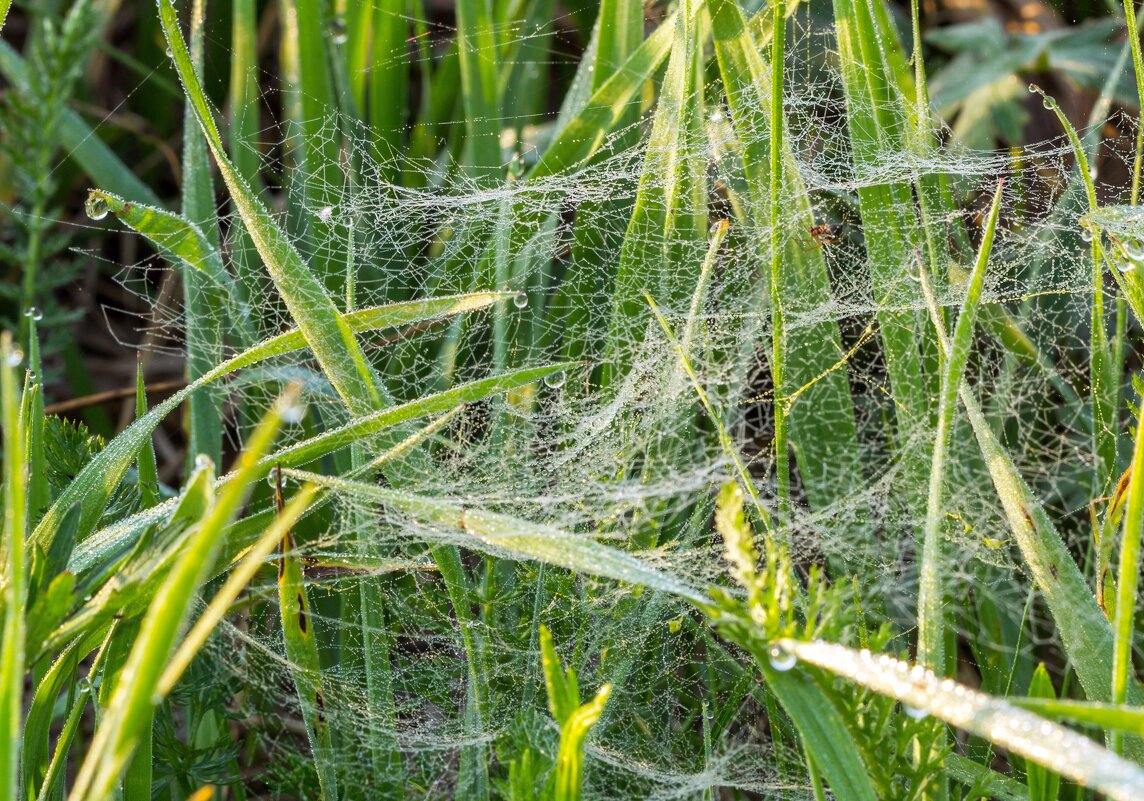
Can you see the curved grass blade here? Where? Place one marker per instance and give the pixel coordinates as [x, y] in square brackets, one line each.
[1072, 755]
[182, 241]
[330, 338]
[136, 693]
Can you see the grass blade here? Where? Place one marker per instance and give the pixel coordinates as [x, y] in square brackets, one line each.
[1072, 755]
[931, 596]
[136, 693]
[15, 570]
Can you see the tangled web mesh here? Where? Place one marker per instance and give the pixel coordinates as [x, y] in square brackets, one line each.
[634, 463]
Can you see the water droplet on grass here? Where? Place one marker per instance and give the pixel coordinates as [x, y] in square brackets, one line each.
[95, 207]
[914, 712]
[781, 660]
[203, 462]
[338, 31]
[293, 413]
[34, 313]
[1134, 250]
[521, 300]
[555, 380]
[15, 356]
[1086, 233]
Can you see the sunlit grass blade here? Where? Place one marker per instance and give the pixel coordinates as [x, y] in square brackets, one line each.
[1128, 577]
[1072, 755]
[574, 719]
[504, 535]
[136, 693]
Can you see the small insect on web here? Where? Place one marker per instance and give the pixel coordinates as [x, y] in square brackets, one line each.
[822, 234]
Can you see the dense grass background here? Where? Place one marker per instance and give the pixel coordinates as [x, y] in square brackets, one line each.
[520, 400]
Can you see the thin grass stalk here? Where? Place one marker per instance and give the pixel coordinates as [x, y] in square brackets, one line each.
[931, 597]
[778, 327]
[1128, 580]
[202, 315]
[1104, 388]
[15, 570]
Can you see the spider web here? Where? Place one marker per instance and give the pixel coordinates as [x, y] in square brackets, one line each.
[634, 463]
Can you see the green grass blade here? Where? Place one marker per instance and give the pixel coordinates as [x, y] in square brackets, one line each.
[1072, 755]
[302, 653]
[1044, 785]
[820, 414]
[13, 549]
[203, 310]
[330, 339]
[185, 243]
[823, 732]
[476, 46]
[147, 466]
[136, 694]
[585, 132]
[1107, 716]
[931, 595]
[1128, 578]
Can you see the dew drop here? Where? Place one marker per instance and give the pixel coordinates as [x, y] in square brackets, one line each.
[326, 213]
[555, 380]
[781, 660]
[1134, 250]
[1049, 103]
[293, 413]
[521, 299]
[170, 53]
[914, 712]
[34, 313]
[338, 31]
[1086, 233]
[717, 116]
[1033, 89]
[1125, 266]
[95, 207]
[15, 356]
[203, 462]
